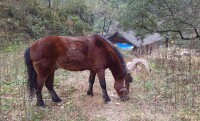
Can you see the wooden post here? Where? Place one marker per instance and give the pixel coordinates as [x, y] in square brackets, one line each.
[167, 41]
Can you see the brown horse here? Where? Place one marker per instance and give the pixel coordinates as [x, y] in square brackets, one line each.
[92, 53]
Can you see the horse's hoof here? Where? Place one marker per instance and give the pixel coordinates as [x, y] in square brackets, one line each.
[58, 100]
[107, 99]
[41, 105]
[90, 93]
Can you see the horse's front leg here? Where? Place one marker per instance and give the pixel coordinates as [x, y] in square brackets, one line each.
[101, 76]
[91, 82]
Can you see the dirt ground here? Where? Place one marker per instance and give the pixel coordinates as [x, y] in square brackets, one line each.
[94, 109]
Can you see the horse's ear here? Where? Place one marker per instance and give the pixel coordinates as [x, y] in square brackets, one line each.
[129, 77]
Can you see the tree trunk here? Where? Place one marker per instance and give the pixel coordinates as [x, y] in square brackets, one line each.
[104, 25]
[49, 3]
[23, 5]
[167, 42]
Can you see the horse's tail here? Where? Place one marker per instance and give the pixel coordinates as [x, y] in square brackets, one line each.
[32, 75]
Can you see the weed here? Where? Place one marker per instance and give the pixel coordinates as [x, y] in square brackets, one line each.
[100, 119]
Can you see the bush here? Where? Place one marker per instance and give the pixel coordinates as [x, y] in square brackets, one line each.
[38, 21]
[81, 28]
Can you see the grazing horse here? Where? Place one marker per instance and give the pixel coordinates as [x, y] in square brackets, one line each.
[92, 53]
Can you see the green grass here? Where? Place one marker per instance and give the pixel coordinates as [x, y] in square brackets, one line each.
[100, 119]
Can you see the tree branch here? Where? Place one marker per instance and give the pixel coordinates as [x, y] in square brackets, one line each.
[158, 31]
[169, 30]
[170, 10]
[188, 38]
[179, 31]
[195, 29]
[197, 34]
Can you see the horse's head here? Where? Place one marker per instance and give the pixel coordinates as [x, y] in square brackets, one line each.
[122, 87]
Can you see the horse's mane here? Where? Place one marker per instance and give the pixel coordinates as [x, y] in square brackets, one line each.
[115, 50]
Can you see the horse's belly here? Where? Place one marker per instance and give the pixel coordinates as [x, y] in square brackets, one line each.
[74, 63]
[75, 58]
[76, 66]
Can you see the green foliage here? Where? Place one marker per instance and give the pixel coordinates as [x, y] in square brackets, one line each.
[70, 17]
[76, 7]
[148, 85]
[137, 14]
[163, 16]
[81, 27]
[39, 21]
[106, 13]
[37, 115]
[100, 119]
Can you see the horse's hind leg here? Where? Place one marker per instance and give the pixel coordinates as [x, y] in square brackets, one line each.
[40, 83]
[101, 76]
[49, 85]
[43, 71]
[91, 82]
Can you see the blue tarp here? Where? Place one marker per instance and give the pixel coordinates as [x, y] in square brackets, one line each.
[125, 46]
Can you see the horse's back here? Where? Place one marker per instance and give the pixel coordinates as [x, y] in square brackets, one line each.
[46, 47]
[72, 53]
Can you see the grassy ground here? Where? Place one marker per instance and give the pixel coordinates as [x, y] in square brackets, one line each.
[170, 92]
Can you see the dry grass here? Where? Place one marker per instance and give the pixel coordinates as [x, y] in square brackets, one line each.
[175, 79]
[170, 92]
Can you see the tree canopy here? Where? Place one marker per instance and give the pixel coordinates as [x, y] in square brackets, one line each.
[178, 17]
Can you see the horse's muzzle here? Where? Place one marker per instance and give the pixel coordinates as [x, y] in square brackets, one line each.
[124, 98]
[125, 94]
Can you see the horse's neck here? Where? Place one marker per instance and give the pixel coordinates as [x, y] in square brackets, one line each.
[117, 67]
[117, 70]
